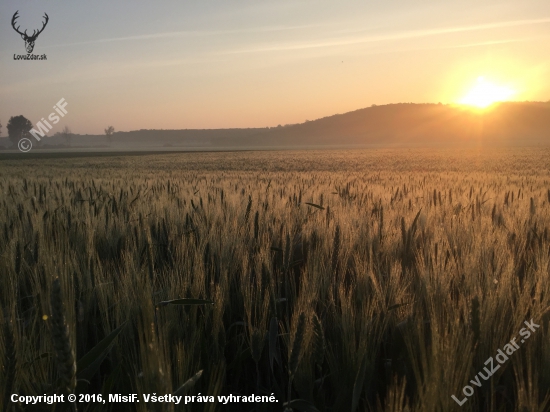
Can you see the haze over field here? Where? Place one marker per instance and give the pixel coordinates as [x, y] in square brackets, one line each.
[251, 64]
[508, 124]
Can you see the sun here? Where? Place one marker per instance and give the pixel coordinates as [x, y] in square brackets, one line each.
[484, 94]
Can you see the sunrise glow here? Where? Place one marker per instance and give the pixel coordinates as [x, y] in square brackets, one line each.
[484, 94]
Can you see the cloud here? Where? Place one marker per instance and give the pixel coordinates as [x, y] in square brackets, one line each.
[489, 43]
[186, 33]
[387, 37]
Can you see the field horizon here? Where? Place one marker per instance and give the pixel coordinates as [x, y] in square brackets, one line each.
[504, 124]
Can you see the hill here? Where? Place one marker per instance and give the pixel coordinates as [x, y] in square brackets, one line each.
[419, 124]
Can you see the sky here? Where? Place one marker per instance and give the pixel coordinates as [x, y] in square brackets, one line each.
[223, 64]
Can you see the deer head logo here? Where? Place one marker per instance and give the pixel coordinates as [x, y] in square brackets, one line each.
[29, 40]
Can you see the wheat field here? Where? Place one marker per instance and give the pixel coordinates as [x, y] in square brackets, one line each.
[368, 280]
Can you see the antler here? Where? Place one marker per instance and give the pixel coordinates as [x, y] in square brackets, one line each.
[34, 34]
[43, 26]
[15, 16]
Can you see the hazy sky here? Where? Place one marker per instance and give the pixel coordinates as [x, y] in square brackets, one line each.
[210, 64]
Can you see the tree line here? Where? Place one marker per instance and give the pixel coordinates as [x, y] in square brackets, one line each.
[19, 127]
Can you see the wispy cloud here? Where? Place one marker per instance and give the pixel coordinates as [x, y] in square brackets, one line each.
[187, 33]
[490, 43]
[290, 46]
[387, 37]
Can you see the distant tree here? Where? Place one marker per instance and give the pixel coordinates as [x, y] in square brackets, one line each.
[67, 135]
[18, 128]
[0, 129]
[109, 133]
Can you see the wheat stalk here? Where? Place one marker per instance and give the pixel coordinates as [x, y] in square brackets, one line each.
[297, 345]
[64, 353]
[10, 361]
